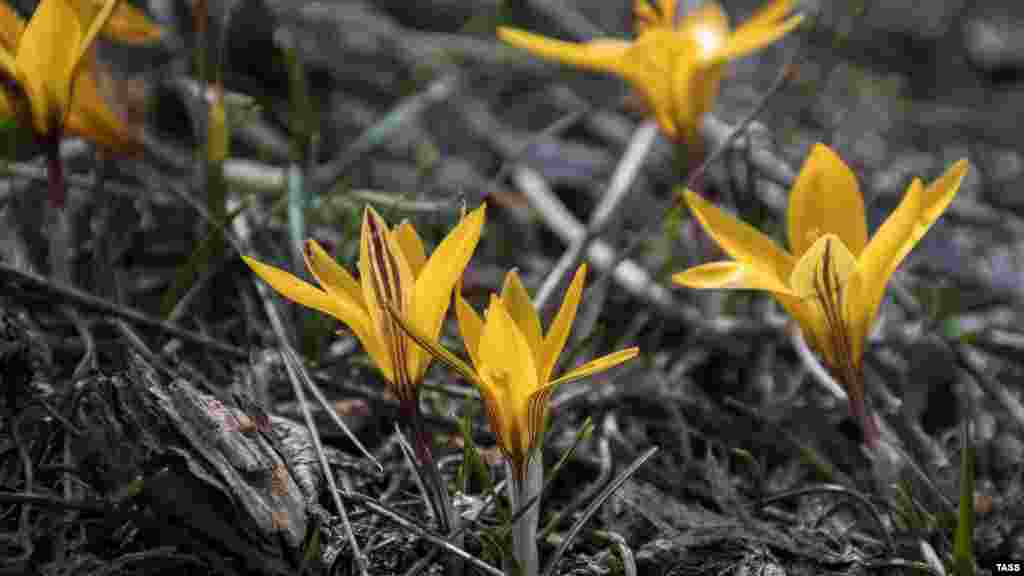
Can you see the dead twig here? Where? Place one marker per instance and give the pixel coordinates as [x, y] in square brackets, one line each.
[621, 182]
[85, 300]
[404, 522]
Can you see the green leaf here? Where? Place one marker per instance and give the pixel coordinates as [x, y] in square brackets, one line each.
[473, 465]
[963, 543]
[435, 349]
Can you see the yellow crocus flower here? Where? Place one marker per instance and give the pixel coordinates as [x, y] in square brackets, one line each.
[51, 61]
[832, 281]
[512, 361]
[393, 272]
[675, 67]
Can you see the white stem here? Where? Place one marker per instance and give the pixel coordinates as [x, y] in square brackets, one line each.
[524, 533]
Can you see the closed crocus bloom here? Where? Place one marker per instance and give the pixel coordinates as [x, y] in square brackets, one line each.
[833, 278]
[513, 359]
[394, 272]
[675, 67]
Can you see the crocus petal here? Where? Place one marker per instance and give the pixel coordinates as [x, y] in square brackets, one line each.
[470, 328]
[330, 275]
[494, 407]
[751, 39]
[646, 17]
[507, 365]
[821, 279]
[652, 66]
[808, 316]
[342, 287]
[9, 67]
[91, 118]
[536, 417]
[667, 12]
[11, 27]
[558, 332]
[936, 199]
[47, 64]
[740, 240]
[695, 87]
[599, 365]
[730, 275]
[827, 264]
[310, 296]
[443, 269]
[130, 25]
[387, 282]
[769, 15]
[898, 235]
[604, 54]
[412, 247]
[519, 305]
[884, 253]
[92, 22]
[826, 199]
[862, 301]
[762, 29]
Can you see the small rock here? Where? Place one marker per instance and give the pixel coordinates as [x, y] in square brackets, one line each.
[1008, 452]
[993, 41]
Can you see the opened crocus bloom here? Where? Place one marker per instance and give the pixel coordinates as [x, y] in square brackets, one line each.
[394, 272]
[512, 362]
[833, 279]
[676, 68]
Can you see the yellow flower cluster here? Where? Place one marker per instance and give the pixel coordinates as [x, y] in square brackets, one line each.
[833, 280]
[399, 303]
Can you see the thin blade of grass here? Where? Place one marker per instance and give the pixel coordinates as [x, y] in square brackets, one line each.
[595, 505]
[963, 543]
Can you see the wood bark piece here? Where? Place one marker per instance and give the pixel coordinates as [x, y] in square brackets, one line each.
[209, 473]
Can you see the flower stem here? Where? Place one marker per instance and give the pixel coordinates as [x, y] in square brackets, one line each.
[59, 225]
[437, 491]
[524, 533]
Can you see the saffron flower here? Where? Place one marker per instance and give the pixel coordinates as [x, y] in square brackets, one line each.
[393, 271]
[49, 63]
[512, 362]
[51, 60]
[676, 67]
[395, 276]
[833, 279]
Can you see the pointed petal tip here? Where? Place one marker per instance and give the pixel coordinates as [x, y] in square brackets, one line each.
[596, 366]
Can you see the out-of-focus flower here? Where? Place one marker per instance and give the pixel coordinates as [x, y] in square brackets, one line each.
[51, 62]
[675, 67]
